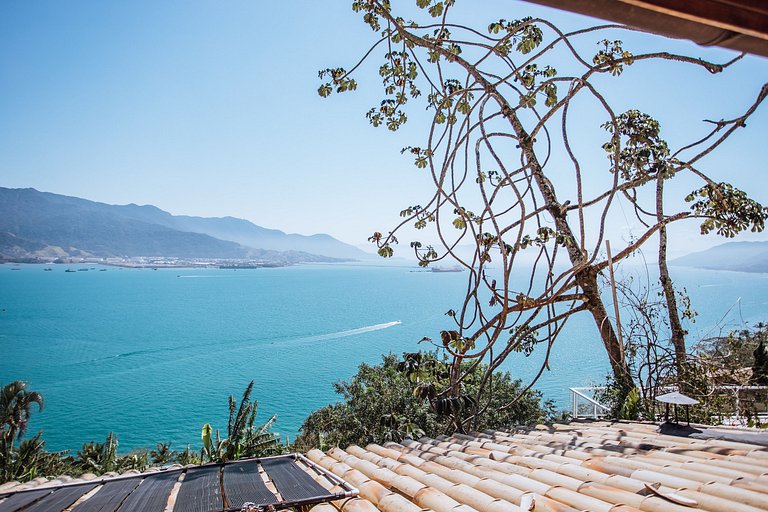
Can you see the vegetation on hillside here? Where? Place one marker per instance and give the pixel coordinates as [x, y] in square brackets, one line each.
[29, 459]
[244, 438]
[398, 399]
[723, 372]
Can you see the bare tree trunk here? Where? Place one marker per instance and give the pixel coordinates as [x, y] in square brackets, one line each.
[677, 332]
[586, 276]
[588, 282]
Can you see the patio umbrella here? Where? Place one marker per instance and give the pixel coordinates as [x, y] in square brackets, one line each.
[676, 398]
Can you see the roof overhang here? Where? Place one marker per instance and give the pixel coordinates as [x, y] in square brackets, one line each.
[740, 25]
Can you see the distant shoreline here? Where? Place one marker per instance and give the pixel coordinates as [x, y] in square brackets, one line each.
[222, 264]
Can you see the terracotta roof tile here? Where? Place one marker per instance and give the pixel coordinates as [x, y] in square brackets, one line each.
[600, 466]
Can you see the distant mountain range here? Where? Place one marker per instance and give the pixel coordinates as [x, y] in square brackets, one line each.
[737, 256]
[37, 224]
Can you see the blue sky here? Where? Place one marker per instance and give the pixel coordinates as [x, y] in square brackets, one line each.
[210, 108]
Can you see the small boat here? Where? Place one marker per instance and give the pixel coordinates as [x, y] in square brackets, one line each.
[47, 270]
[448, 269]
[70, 270]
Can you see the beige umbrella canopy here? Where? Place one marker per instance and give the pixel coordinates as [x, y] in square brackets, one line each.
[676, 398]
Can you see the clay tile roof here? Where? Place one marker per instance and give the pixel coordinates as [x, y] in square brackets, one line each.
[596, 466]
[599, 466]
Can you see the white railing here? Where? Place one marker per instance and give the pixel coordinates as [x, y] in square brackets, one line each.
[737, 419]
[585, 406]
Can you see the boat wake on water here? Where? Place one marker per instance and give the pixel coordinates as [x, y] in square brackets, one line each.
[344, 334]
[227, 346]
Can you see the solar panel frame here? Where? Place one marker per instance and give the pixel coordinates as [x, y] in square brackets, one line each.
[22, 499]
[293, 483]
[109, 497]
[62, 498]
[243, 483]
[200, 491]
[152, 494]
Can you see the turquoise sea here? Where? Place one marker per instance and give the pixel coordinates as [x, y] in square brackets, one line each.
[152, 354]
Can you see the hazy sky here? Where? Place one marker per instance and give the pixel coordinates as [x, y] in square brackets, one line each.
[210, 108]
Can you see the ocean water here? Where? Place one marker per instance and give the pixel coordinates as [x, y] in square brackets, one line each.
[152, 355]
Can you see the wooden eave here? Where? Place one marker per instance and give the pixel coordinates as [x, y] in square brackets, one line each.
[740, 25]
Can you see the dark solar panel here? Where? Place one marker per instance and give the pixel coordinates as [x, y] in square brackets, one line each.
[62, 498]
[109, 497]
[200, 491]
[242, 483]
[152, 494]
[22, 499]
[291, 481]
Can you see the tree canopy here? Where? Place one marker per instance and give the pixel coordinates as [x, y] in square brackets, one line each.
[387, 402]
[513, 179]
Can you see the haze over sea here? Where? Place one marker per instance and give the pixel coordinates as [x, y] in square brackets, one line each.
[152, 355]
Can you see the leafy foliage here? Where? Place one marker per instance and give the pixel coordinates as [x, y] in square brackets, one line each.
[98, 457]
[163, 454]
[713, 374]
[29, 459]
[15, 408]
[729, 359]
[244, 438]
[727, 210]
[400, 398]
[612, 57]
[636, 150]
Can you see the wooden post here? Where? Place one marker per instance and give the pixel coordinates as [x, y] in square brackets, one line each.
[615, 300]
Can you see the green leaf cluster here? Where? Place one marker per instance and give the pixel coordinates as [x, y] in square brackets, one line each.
[523, 340]
[612, 57]
[244, 438]
[543, 236]
[727, 210]
[525, 34]
[435, 8]
[421, 157]
[451, 99]
[339, 79]
[530, 77]
[371, 12]
[636, 149]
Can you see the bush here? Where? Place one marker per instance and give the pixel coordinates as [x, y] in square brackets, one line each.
[380, 404]
[712, 374]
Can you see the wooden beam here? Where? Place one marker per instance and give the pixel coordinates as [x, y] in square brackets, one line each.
[740, 16]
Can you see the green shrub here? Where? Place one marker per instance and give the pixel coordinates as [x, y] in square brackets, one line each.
[383, 403]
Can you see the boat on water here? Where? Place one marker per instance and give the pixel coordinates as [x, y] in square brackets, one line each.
[70, 270]
[47, 270]
[455, 268]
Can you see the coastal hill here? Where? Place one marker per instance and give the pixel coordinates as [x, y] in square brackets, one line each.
[736, 256]
[37, 224]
